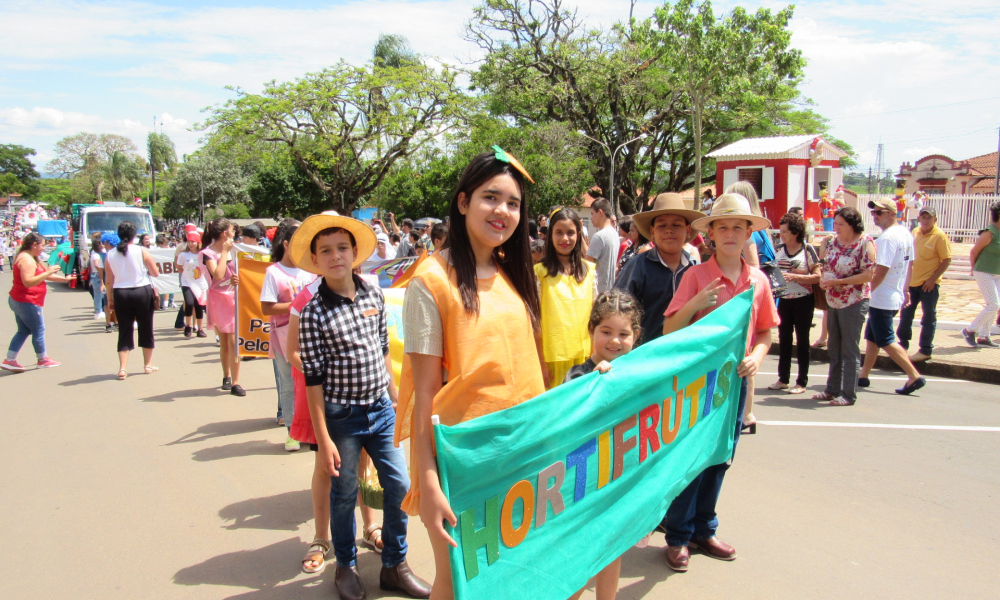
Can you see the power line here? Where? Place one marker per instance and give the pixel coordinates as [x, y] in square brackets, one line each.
[904, 110]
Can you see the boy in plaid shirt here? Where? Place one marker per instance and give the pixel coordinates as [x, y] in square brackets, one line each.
[344, 347]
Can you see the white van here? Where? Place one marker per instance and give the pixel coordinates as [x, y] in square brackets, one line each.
[88, 218]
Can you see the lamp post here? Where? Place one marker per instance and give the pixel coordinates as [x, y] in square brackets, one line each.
[611, 183]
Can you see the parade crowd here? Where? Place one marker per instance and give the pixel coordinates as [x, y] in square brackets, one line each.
[491, 290]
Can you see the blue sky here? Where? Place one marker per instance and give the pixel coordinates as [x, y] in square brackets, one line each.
[110, 67]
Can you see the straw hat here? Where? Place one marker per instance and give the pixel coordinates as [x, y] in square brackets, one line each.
[664, 204]
[299, 246]
[732, 206]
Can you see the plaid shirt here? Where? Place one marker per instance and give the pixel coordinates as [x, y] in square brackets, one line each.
[344, 344]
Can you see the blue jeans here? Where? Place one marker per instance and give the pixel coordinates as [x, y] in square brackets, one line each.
[353, 428]
[286, 388]
[100, 298]
[928, 322]
[29, 323]
[692, 515]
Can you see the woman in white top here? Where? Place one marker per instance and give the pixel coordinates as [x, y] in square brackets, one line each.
[128, 269]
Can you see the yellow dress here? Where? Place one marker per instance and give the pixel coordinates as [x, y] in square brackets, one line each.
[566, 306]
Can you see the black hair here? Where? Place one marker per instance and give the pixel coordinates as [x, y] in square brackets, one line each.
[394, 237]
[126, 231]
[513, 256]
[161, 239]
[251, 231]
[995, 212]
[532, 228]
[796, 225]
[408, 223]
[852, 217]
[330, 231]
[626, 224]
[439, 232]
[576, 262]
[601, 204]
[286, 229]
[414, 236]
[213, 230]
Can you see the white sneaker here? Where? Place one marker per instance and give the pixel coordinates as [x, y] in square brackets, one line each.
[291, 445]
[99, 316]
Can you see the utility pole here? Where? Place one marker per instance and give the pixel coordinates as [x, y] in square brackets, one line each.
[869, 188]
[879, 158]
[996, 176]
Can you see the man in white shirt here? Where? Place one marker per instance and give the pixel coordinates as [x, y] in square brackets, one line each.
[893, 264]
[603, 244]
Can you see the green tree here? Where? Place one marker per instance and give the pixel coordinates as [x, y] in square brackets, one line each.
[739, 62]
[83, 152]
[393, 50]
[122, 176]
[161, 155]
[17, 172]
[279, 188]
[224, 183]
[339, 136]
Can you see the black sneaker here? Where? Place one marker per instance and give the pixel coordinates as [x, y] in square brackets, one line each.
[987, 342]
[202, 334]
[109, 329]
[864, 382]
[227, 384]
[909, 388]
[187, 332]
[238, 390]
[970, 337]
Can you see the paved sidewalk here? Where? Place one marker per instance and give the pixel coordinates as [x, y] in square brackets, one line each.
[959, 304]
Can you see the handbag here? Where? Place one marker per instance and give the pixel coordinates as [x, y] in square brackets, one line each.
[779, 287]
[819, 294]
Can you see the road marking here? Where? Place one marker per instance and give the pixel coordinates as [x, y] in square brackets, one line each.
[877, 377]
[880, 426]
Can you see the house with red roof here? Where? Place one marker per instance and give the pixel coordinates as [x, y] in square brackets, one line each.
[939, 174]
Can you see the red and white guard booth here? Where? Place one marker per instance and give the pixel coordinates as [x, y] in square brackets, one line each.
[786, 171]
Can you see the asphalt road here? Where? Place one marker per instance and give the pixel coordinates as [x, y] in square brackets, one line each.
[162, 486]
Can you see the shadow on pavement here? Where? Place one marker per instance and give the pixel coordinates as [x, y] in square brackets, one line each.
[258, 569]
[224, 428]
[800, 401]
[96, 378]
[647, 563]
[171, 396]
[254, 448]
[282, 512]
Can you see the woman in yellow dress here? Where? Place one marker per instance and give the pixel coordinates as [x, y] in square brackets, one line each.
[567, 288]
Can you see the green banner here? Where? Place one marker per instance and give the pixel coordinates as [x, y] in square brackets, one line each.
[549, 492]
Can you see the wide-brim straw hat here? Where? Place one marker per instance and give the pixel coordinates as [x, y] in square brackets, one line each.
[664, 204]
[732, 206]
[364, 236]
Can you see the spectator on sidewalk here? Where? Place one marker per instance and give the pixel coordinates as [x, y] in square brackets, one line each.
[848, 261]
[914, 208]
[800, 266]
[894, 250]
[931, 258]
[985, 258]
[603, 248]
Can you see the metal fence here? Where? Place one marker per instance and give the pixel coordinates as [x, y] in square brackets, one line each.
[961, 217]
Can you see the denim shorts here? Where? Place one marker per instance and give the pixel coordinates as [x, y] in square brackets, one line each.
[879, 327]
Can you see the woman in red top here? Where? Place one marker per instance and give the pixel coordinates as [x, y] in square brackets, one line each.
[27, 296]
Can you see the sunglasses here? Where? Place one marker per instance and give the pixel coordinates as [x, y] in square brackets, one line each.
[879, 212]
[502, 156]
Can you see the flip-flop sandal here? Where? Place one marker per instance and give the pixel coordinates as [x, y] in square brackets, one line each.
[122, 374]
[841, 402]
[370, 538]
[319, 548]
[822, 396]
[150, 368]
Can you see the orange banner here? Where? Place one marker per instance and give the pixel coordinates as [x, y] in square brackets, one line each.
[252, 328]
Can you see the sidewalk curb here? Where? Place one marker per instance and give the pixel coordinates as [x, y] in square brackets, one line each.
[931, 368]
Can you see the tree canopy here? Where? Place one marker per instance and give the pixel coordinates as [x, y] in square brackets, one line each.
[345, 126]
[17, 171]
